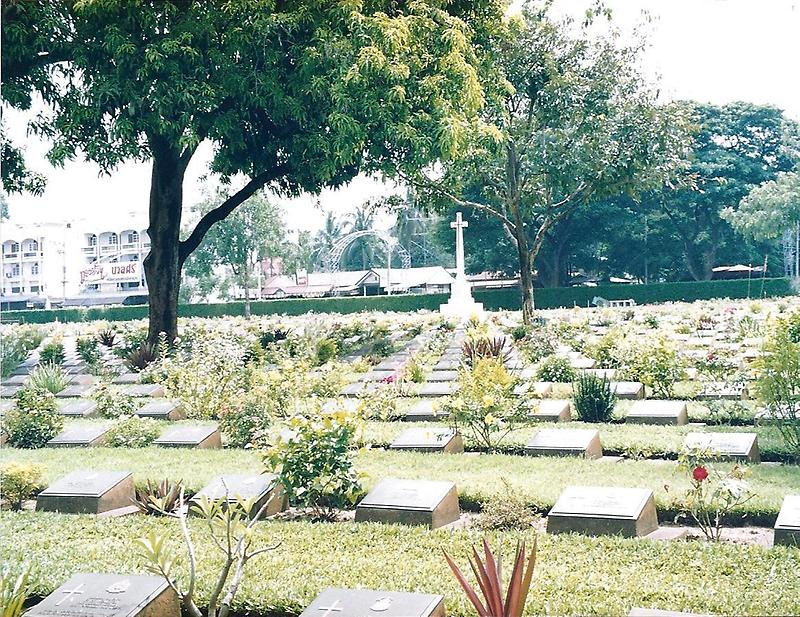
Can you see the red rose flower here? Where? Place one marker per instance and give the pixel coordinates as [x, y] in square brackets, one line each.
[700, 473]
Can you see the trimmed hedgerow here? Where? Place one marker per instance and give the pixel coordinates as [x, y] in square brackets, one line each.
[574, 575]
[539, 481]
[495, 299]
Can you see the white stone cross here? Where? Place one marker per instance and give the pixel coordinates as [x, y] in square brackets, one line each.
[333, 608]
[459, 225]
[70, 593]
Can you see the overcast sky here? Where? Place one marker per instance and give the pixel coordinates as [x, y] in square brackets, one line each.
[714, 51]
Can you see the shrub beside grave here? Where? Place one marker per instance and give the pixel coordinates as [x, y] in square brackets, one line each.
[52, 352]
[15, 343]
[113, 404]
[593, 398]
[556, 368]
[133, 432]
[35, 419]
[246, 424]
[20, 482]
[49, 376]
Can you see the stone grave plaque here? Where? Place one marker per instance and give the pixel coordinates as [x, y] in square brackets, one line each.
[260, 488]
[6, 405]
[447, 365]
[81, 435]
[161, 410]
[76, 391]
[425, 410]
[203, 437]
[429, 440]
[537, 389]
[787, 526]
[351, 405]
[360, 387]
[658, 412]
[437, 388]
[365, 603]
[410, 502]
[582, 363]
[628, 389]
[727, 446]
[552, 410]
[126, 378]
[9, 391]
[16, 380]
[390, 364]
[110, 595]
[88, 492]
[602, 373]
[654, 612]
[140, 390]
[583, 442]
[375, 375]
[723, 391]
[82, 408]
[595, 511]
[440, 376]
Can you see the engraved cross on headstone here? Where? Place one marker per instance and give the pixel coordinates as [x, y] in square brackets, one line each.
[70, 593]
[459, 225]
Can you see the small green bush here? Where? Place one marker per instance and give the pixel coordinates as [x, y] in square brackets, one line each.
[556, 368]
[50, 377]
[113, 404]
[89, 350]
[246, 425]
[506, 511]
[133, 432]
[35, 419]
[656, 365]
[314, 462]
[593, 398]
[326, 350]
[20, 482]
[382, 347]
[53, 352]
[537, 346]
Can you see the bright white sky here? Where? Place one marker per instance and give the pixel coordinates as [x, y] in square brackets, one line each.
[714, 51]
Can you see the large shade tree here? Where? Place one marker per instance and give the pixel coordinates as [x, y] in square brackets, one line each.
[568, 119]
[293, 95]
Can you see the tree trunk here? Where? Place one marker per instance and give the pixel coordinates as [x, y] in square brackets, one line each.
[525, 277]
[162, 265]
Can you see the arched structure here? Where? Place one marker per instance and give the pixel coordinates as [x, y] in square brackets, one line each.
[331, 261]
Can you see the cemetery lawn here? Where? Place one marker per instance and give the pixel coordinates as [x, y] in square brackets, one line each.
[574, 574]
[538, 480]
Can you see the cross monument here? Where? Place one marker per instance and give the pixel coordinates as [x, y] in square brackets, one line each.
[461, 304]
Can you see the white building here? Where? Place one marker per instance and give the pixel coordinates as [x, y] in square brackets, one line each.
[81, 262]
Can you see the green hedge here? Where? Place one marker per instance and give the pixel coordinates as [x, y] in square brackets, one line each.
[574, 575]
[494, 299]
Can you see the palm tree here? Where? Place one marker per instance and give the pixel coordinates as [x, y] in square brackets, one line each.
[324, 240]
[361, 252]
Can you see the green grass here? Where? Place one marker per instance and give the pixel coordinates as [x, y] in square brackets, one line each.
[574, 574]
[539, 481]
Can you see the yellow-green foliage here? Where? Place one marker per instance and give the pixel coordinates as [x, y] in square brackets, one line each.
[19, 482]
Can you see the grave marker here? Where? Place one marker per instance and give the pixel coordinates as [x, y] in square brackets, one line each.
[436, 389]
[141, 390]
[429, 440]
[161, 410]
[203, 437]
[727, 446]
[260, 488]
[425, 410]
[658, 412]
[88, 492]
[552, 410]
[110, 595]
[628, 389]
[787, 526]
[86, 435]
[594, 511]
[365, 602]
[82, 408]
[443, 376]
[76, 391]
[566, 442]
[410, 502]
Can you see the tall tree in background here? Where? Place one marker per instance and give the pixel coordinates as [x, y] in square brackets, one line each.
[324, 240]
[768, 210]
[569, 118]
[362, 253]
[299, 255]
[253, 232]
[736, 147]
[294, 96]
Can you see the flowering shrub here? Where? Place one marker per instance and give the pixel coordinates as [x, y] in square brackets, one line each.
[247, 424]
[35, 419]
[485, 406]
[382, 403]
[712, 494]
[556, 368]
[714, 366]
[606, 351]
[313, 460]
[133, 432]
[113, 404]
[656, 365]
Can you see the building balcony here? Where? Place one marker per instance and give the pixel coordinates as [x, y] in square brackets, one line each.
[12, 279]
[32, 254]
[108, 249]
[89, 250]
[10, 255]
[129, 247]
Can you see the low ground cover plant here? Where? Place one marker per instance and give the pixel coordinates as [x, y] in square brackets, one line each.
[112, 404]
[133, 432]
[557, 369]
